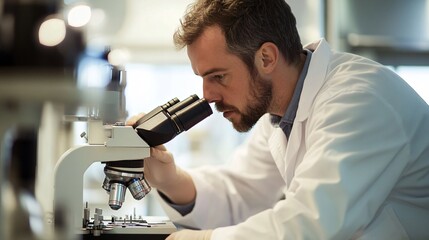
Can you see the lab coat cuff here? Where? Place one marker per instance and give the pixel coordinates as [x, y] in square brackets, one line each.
[197, 218]
[182, 209]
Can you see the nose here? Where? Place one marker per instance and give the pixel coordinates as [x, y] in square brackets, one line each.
[210, 92]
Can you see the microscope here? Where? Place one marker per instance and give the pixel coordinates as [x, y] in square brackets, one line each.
[122, 149]
[33, 74]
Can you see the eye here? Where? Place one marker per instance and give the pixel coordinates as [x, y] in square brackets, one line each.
[218, 77]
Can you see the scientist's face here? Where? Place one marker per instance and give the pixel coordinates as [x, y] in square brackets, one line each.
[227, 82]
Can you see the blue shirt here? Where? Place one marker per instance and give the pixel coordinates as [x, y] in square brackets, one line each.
[286, 122]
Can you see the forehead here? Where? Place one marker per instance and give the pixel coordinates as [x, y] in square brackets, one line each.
[209, 51]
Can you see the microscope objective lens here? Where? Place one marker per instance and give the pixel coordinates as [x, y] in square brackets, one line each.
[117, 195]
[136, 189]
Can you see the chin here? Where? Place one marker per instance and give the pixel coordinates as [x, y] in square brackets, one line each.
[239, 127]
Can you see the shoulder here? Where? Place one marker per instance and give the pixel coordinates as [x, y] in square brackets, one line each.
[352, 73]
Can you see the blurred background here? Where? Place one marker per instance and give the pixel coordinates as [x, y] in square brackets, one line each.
[138, 34]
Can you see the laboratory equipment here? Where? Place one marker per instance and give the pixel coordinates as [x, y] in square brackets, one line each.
[122, 148]
[33, 72]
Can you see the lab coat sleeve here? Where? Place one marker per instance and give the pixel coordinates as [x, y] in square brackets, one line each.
[356, 151]
[246, 185]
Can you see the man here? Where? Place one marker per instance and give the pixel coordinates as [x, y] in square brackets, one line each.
[340, 145]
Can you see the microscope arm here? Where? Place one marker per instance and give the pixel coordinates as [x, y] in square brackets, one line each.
[68, 185]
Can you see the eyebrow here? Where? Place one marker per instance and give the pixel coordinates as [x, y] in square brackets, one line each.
[212, 71]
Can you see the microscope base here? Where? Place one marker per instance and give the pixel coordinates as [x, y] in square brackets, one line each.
[125, 236]
[138, 230]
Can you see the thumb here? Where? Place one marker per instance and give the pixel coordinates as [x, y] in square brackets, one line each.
[161, 154]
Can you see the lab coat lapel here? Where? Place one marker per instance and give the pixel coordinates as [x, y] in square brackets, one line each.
[314, 80]
[277, 143]
[291, 157]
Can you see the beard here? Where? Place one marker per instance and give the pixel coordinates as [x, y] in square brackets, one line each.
[258, 102]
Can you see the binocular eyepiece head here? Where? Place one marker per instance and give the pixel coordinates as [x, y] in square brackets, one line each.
[167, 121]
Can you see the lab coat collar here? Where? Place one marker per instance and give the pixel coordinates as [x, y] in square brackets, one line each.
[314, 80]
[315, 77]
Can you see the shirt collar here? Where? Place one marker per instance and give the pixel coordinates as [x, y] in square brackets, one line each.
[286, 122]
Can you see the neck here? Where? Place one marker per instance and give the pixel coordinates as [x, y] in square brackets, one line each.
[284, 81]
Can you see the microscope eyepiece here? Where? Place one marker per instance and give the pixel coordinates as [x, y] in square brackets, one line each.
[192, 114]
[156, 111]
[182, 104]
[165, 124]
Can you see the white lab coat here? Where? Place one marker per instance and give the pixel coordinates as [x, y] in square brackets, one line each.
[356, 165]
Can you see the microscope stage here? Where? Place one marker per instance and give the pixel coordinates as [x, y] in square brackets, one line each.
[137, 229]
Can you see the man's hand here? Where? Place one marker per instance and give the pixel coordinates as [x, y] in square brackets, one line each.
[191, 235]
[162, 173]
[159, 168]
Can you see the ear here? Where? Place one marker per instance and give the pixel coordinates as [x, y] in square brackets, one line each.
[266, 57]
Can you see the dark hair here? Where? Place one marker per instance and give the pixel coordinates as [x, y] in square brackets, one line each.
[247, 24]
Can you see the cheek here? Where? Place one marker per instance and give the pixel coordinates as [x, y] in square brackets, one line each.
[238, 95]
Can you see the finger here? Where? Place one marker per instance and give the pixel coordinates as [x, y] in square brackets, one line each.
[170, 237]
[161, 154]
[134, 119]
[161, 147]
